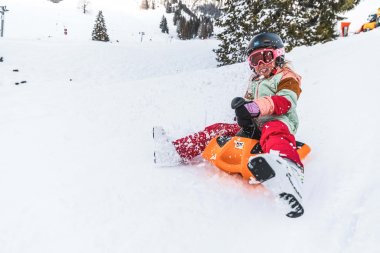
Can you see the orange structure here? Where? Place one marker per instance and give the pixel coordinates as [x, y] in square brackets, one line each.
[344, 27]
[231, 154]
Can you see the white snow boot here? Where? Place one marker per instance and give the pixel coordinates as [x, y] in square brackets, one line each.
[165, 154]
[282, 177]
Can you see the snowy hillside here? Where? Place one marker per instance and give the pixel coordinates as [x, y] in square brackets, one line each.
[76, 169]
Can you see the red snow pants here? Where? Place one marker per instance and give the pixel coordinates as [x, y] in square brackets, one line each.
[192, 145]
[275, 136]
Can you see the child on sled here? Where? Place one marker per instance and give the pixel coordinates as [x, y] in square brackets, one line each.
[270, 104]
[270, 100]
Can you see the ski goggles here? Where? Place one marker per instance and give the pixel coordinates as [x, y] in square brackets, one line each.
[265, 55]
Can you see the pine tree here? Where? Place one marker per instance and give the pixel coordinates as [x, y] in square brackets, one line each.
[205, 28]
[209, 28]
[346, 5]
[144, 5]
[168, 7]
[287, 19]
[100, 31]
[302, 22]
[321, 19]
[164, 25]
[184, 28]
[186, 34]
[181, 27]
[237, 24]
[176, 17]
[297, 22]
[195, 27]
[202, 31]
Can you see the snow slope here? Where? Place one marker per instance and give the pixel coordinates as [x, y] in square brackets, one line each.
[76, 170]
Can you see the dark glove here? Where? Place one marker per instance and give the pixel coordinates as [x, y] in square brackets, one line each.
[245, 111]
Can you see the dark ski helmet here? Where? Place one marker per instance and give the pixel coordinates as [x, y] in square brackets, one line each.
[267, 40]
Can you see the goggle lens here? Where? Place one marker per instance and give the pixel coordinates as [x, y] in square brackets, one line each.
[265, 56]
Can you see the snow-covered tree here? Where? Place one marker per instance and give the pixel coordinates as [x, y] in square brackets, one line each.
[168, 7]
[100, 31]
[194, 27]
[144, 4]
[319, 20]
[237, 27]
[210, 28]
[202, 31]
[164, 25]
[181, 28]
[346, 5]
[205, 29]
[298, 22]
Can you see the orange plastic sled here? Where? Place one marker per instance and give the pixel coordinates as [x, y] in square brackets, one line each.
[232, 154]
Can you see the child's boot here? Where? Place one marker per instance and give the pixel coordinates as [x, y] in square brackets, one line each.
[282, 177]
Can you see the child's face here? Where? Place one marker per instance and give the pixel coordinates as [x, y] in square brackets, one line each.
[265, 69]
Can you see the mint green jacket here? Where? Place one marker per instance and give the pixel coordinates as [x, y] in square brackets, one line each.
[284, 83]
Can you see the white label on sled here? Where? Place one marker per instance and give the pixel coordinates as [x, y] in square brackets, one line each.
[239, 144]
